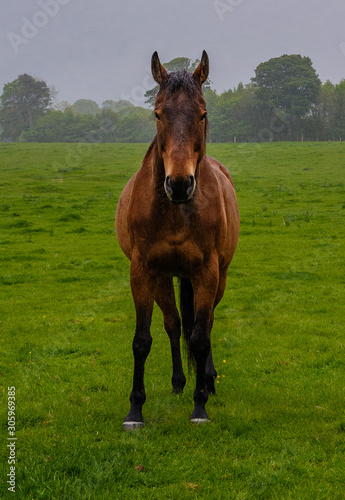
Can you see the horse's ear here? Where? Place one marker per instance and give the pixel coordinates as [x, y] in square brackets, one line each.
[201, 72]
[159, 73]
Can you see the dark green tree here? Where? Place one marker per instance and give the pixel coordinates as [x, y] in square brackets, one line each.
[131, 124]
[59, 126]
[116, 105]
[231, 115]
[85, 107]
[287, 86]
[23, 101]
[340, 111]
[135, 124]
[320, 124]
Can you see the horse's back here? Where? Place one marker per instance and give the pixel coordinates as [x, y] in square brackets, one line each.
[218, 166]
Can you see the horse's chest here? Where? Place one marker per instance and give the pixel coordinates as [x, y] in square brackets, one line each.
[174, 245]
[174, 256]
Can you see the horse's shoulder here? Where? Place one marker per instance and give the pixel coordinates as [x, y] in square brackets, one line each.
[142, 194]
[126, 195]
[219, 168]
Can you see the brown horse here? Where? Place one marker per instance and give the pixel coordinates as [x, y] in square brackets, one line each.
[178, 216]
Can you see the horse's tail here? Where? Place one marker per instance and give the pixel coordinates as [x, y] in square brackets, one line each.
[187, 315]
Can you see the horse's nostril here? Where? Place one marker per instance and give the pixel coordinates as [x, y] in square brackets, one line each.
[179, 189]
[190, 188]
[168, 185]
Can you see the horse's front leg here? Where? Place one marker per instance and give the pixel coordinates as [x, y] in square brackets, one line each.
[141, 343]
[164, 295]
[205, 289]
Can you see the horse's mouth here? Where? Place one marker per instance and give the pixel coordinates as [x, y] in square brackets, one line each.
[182, 202]
[179, 200]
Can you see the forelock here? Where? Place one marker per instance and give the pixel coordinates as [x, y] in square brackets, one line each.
[181, 80]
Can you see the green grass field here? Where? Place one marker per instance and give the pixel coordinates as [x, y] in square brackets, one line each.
[277, 427]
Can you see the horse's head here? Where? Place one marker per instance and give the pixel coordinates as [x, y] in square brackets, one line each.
[181, 119]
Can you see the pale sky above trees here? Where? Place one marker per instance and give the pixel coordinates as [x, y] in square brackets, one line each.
[102, 50]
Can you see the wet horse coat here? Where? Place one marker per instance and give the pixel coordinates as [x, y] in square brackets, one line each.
[178, 216]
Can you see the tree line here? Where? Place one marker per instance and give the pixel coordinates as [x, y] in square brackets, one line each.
[285, 100]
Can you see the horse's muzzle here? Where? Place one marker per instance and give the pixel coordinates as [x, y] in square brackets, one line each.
[181, 189]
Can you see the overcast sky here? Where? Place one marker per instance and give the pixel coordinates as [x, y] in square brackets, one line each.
[102, 49]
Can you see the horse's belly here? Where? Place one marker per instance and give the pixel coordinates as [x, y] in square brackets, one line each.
[175, 259]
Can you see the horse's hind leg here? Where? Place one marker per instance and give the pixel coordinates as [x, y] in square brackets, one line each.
[164, 295]
[211, 373]
[141, 343]
[205, 288]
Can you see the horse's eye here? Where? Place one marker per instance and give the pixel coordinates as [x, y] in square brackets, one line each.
[203, 116]
[157, 115]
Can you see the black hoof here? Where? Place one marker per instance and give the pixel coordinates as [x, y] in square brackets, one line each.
[199, 415]
[134, 417]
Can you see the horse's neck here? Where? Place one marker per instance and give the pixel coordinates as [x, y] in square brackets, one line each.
[150, 151]
[154, 161]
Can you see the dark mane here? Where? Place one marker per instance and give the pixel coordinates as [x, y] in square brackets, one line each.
[181, 80]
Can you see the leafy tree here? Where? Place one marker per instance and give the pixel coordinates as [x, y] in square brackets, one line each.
[339, 120]
[23, 101]
[58, 126]
[135, 125]
[284, 100]
[231, 114]
[116, 105]
[287, 85]
[85, 107]
[61, 105]
[320, 123]
[131, 124]
[327, 119]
